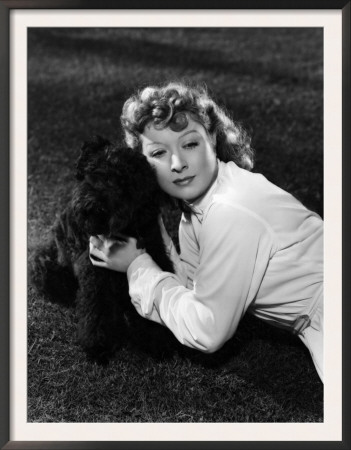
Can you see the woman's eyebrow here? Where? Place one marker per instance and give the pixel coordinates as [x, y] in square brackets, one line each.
[154, 143]
[162, 143]
[188, 132]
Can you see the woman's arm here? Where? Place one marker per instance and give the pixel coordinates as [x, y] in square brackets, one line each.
[235, 249]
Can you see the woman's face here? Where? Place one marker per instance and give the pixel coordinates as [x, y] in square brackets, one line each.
[185, 161]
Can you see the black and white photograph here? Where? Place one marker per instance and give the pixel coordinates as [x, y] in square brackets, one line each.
[175, 232]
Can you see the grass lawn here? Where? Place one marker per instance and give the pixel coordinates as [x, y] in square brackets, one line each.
[272, 81]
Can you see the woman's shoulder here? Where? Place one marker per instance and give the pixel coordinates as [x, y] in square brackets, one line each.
[252, 190]
[230, 173]
[240, 188]
[250, 200]
[227, 212]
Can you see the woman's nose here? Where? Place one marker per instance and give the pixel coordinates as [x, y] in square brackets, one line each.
[178, 163]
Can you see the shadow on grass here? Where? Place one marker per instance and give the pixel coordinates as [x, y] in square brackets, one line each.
[123, 49]
[271, 361]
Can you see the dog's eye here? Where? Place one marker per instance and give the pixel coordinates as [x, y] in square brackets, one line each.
[101, 211]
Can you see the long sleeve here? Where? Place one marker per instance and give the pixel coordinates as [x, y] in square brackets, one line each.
[234, 251]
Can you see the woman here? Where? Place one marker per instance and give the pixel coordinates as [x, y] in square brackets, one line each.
[246, 245]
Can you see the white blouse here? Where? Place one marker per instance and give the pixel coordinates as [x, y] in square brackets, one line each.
[249, 245]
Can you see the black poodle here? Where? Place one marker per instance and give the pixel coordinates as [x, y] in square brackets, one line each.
[116, 193]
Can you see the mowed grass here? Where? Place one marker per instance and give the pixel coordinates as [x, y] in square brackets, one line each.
[272, 81]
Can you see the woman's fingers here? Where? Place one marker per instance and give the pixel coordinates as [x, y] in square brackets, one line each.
[96, 241]
[115, 254]
[105, 244]
[97, 257]
[100, 249]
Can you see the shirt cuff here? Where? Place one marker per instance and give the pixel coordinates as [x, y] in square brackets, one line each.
[142, 261]
[143, 277]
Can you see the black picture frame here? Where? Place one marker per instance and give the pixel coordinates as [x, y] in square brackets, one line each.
[5, 7]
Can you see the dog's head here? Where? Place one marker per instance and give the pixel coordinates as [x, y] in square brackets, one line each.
[117, 190]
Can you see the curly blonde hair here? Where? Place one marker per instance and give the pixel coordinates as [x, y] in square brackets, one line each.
[168, 106]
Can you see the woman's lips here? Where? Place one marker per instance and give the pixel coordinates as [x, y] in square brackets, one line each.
[183, 181]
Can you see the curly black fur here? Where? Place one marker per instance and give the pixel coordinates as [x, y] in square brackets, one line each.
[116, 193]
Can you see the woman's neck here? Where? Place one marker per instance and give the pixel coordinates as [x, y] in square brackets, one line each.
[200, 200]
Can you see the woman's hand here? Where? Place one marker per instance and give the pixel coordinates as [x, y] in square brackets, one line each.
[112, 254]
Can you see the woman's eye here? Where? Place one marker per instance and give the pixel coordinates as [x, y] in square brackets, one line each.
[191, 144]
[158, 153]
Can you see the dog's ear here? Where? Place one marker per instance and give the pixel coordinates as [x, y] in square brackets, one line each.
[89, 150]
